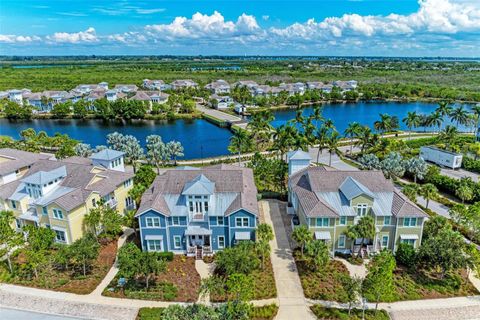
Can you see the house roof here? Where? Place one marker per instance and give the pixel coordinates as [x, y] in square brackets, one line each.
[107, 155]
[232, 188]
[351, 188]
[44, 177]
[18, 159]
[298, 155]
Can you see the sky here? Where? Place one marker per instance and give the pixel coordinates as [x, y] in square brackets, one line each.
[247, 27]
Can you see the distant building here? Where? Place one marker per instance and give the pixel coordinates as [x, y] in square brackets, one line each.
[158, 85]
[218, 87]
[126, 88]
[151, 97]
[221, 102]
[14, 163]
[183, 84]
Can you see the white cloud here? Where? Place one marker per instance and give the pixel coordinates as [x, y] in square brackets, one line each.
[149, 11]
[87, 36]
[72, 14]
[10, 38]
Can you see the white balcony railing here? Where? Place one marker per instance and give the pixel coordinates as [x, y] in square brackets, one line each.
[112, 203]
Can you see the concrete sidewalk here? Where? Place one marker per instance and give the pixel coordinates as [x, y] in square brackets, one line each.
[292, 302]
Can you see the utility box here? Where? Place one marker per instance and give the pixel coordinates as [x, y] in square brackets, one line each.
[441, 157]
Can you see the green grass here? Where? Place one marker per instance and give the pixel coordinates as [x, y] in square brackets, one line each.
[324, 313]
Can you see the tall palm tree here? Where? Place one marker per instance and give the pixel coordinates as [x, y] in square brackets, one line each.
[239, 142]
[384, 124]
[476, 113]
[332, 145]
[260, 126]
[459, 115]
[428, 192]
[448, 136]
[317, 114]
[412, 120]
[435, 120]
[321, 139]
[444, 109]
[329, 124]
[352, 130]
[364, 138]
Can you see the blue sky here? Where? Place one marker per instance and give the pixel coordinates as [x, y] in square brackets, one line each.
[315, 27]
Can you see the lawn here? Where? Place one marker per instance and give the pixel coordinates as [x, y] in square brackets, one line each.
[324, 313]
[325, 284]
[421, 285]
[267, 312]
[180, 282]
[66, 281]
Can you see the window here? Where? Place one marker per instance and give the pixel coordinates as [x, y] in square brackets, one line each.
[323, 222]
[127, 183]
[57, 214]
[205, 206]
[341, 241]
[384, 241]
[175, 221]
[14, 204]
[60, 236]
[221, 242]
[45, 211]
[241, 222]
[220, 221]
[154, 245]
[387, 221]
[409, 222]
[343, 221]
[408, 241]
[152, 222]
[362, 209]
[94, 202]
[198, 204]
[177, 242]
[18, 223]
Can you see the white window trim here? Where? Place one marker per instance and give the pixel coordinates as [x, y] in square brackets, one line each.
[150, 250]
[340, 221]
[388, 241]
[55, 216]
[362, 206]
[179, 238]
[153, 224]
[384, 221]
[242, 220]
[410, 223]
[218, 241]
[223, 221]
[344, 241]
[176, 224]
[61, 230]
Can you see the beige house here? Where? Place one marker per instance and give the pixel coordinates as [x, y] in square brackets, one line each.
[328, 201]
[15, 163]
[58, 194]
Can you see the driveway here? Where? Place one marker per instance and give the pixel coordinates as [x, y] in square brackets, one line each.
[292, 303]
[459, 174]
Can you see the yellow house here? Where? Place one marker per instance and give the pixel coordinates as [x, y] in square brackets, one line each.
[58, 194]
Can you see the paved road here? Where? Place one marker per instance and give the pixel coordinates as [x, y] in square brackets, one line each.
[13, 314]
[292, 302]
[219, 114]
[459, 174]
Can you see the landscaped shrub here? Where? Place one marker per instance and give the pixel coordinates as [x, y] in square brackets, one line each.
[166, 255]
[471, 164]
[267, 312]
[150, 313]
[405, 255]
[342, 314]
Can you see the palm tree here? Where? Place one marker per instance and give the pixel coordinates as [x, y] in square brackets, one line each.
[384, 124]
[332, 145]
[449, 136]
[351, 132]
[329, 124]
[435, 120]
[317, 114]
[444, 109]
[366, 138]
[321, 139]
[429, 192]
[239, 142]
[459, 115]
[412, 120]
[476, 113]
[260, 126]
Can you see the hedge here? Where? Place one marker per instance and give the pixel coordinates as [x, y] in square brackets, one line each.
[450, 185]
[166, 255]
[470, 164]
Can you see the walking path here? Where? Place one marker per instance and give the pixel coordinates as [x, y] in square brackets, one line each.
[219, 114]
[359, 271]
[205, 271]
[114, 269]
[292, 302]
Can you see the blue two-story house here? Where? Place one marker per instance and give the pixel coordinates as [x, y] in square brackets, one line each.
[198, 211]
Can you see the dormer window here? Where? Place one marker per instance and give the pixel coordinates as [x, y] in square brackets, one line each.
[198, 206]
[362, 209]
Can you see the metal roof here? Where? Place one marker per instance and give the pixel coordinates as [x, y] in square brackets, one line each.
[44, 177]
[298, 155]
[351, 188]
[242, 235]
[322, 235]
[107, 154]
[199, 186]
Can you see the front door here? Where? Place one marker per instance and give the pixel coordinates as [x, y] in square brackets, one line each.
[198, 240]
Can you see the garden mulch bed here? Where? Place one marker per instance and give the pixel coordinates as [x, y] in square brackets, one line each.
[180, 273]
[63, 281]
[414, 285]
[324, 284]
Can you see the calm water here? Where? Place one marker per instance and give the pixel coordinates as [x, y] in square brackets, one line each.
[365, 113]
[201, 138]
[198, 137]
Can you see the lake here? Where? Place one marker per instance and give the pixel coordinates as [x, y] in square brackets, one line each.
[201, 138]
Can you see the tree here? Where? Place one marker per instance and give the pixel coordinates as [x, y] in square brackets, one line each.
[411, 191]
[156, 151]
[459, 115]
[80, 109]
[263, 249]
[476, 114]
[434, 225]
[412, 120]
[39, 240]
[393, 165]
[83, 150]
[91, 220]
[369, 161]
[241, 258]
[302, 236]
[128, 144]
[61, 110]
[240, 141]
[130, 221]
[352, 288]
[84, 251]
[449, 136]
[264, 232]
[10, 240]
[386, 123]
[417, 167]
[111, 222]
[435, 120]
[378, 283]
[332, 144]
[464, 192]
[429, 192]
[443, 252]
[174, 150]
[444, 109]
[13, 110]
[149, 265]
[317, 254]
[364, 229]
[352, 131]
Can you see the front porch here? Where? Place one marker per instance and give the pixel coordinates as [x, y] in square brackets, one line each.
[199, 242]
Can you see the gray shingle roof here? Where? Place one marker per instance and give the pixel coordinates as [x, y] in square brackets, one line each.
[403, 207]
[18, 159]
[227, 180]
